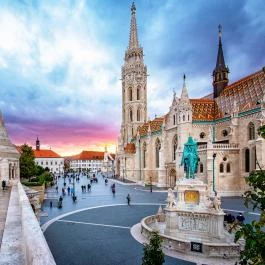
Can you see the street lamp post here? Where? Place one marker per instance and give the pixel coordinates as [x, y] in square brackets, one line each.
[140, 159]
[151, 185]
[214, 156]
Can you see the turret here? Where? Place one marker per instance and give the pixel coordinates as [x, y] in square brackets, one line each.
[220, 73]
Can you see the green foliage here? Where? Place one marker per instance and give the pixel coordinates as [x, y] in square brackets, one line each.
[31, 184]
[261, 131]
[27, 164]
[254, 233]
[39, 170]
[153, 254]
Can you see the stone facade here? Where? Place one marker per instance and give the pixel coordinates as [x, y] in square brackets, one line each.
[9, 157]
[223, 123]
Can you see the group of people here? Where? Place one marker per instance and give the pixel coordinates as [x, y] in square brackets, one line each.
[230, 219]
[86, 187]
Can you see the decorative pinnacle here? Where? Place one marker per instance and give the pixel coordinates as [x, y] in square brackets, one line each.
[133, 8]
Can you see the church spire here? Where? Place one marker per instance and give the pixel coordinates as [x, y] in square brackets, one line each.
[184, 93]
[220, 73]
[133, 41]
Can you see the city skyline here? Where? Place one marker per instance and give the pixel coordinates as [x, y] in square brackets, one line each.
[60, 63]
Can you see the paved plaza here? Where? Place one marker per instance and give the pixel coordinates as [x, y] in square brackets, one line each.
[96, 228]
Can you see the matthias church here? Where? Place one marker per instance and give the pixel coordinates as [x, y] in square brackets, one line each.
[224, 124]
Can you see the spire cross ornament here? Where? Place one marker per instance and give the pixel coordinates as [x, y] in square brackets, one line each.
[133, 8]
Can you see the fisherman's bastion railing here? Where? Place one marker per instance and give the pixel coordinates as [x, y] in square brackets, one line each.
[23, 241]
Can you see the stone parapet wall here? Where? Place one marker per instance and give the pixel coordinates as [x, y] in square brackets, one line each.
[36, 248]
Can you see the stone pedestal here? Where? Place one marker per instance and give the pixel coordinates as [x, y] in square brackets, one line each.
[171, 224]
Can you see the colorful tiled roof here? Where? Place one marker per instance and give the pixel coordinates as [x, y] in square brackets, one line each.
[45, 154]
[155, 125]
[244, 93]
[205, 110]
[89, 155]
[130, 148]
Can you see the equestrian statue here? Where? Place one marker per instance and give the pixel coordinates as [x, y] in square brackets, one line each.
[190, 158]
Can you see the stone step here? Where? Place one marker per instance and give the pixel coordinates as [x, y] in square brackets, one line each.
[4, 201]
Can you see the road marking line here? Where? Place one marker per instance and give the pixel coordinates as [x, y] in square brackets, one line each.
[236, 211]
[86, 223]
[254, 213]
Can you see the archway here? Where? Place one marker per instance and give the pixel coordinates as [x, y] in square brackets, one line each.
[172, 178]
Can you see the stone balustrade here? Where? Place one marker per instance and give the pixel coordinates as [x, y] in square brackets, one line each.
[36, 248]
[219, 146]
[225, 146]
[23, 241]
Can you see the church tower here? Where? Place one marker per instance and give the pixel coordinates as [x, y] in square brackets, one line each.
[37, 144]
[220, 73]
[134, 91]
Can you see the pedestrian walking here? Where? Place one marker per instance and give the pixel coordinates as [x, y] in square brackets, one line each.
[88, 187]
[68, 190]
[128, 199]
[3, 184]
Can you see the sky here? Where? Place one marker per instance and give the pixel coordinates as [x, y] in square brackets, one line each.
[60, 61]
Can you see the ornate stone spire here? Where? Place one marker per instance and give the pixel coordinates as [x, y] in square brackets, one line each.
[220, 73]
[133, 41]
[184, 92]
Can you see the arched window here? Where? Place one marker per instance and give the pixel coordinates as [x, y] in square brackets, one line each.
[175, 145]
[138, 93]
[183, 117]
[174, 119]
[221, 169]
[130, 94]
[201, 167]
[158, 147]
[144, 155]
[138, 115]
[251, 131]
[247, 160]
[130, 115]
[228, 168]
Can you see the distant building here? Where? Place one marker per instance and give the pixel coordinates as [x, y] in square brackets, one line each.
[48, 159]
[92, 161]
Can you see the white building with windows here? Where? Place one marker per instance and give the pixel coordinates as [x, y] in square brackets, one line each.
[48, 159]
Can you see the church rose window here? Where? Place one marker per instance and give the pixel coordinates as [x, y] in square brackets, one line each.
[224, 133]
[202, 135]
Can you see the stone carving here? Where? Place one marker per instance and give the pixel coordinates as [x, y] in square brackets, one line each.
[171, 199]
[191, 223]
[217, 203]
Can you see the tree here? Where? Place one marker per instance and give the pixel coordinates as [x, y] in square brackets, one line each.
[26, 161]
[254, 233]
[153, 254]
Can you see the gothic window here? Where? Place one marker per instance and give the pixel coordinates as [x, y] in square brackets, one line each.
[251, 131]
[175, 145]
[144, 155]
[138, 114]
[158, 147]
[138, 93]
[130, 115]
[228, 168]
[201, 167]
[130, 94]
[221, 168]
[247, 160]
[183, 117]
[188, 117]
[174, 119]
